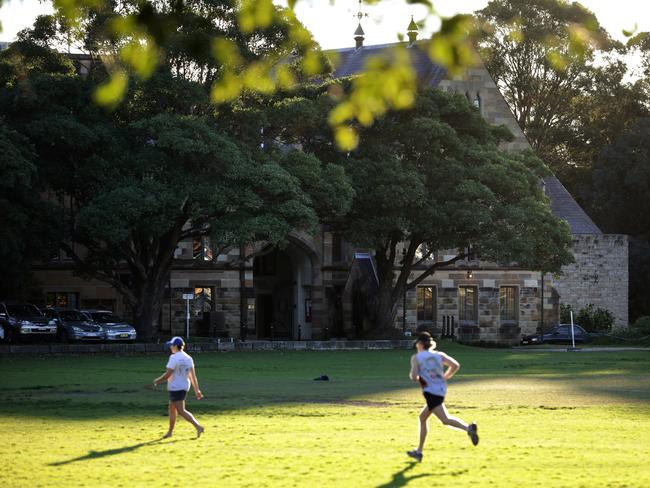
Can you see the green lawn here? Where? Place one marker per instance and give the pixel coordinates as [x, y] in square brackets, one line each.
[545, 419]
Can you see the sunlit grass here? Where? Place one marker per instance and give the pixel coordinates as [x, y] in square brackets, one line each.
[546, 419]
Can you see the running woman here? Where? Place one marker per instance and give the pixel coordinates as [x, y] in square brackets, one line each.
[180, 375]
[428, 368]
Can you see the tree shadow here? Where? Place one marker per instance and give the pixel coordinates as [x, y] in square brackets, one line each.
[112, 452]
[400, 478]
[360, 378]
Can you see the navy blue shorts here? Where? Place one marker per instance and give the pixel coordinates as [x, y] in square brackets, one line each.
[433, 400]
[177, 395]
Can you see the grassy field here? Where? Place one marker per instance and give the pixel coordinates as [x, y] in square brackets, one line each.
[546, 419]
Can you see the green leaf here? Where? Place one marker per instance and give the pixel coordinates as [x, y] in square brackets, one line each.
[142, 56]
[111, 93]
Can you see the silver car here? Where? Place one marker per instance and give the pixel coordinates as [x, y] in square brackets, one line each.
[115, 328]
[23, 321]
[74, 326]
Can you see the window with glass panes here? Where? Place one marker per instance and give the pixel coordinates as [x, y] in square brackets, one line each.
[426, 302]
[509, 304]
[62, 299]
[201, 249]
[202, 300]
[467, 304]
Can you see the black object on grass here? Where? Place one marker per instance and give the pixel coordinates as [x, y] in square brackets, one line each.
[322, 378]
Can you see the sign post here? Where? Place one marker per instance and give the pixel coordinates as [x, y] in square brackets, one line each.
[187, 297]
[573, 338]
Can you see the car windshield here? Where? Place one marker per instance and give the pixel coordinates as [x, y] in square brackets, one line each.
[72, 316]
[105, 317]
[24, 310]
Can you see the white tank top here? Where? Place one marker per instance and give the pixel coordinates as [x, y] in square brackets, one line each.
[431, 371]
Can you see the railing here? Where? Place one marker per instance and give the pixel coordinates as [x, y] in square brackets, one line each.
[448, 327]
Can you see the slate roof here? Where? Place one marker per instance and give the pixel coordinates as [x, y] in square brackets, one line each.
[351, 61]
[564, 206]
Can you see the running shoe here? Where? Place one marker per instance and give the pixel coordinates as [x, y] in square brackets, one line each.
[473, 433]
[415, 454]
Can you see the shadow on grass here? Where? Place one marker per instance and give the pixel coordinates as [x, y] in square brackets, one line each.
[54, 388]
[111, 452]
[400, 478]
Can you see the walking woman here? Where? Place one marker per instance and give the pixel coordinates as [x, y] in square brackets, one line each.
[180, 375]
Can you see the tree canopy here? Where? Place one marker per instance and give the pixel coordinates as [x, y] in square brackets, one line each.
[162, 167]
[431, 181]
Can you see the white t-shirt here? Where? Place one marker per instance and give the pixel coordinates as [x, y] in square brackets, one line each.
[181, 363]
[432, 372]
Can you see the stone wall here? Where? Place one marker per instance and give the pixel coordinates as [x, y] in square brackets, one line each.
[488, 326]
[481, 90]
[599, 276]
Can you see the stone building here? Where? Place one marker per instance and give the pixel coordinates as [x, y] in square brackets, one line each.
[313, 288]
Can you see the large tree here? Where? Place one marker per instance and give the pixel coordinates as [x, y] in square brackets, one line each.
[531, 49]
[431, 181]
[159, 169]
[572, 99]
[621, 185]
[28, 226]
[622, 180]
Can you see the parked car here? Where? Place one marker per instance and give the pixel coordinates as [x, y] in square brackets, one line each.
[21, 321]
[75, 326]
[115, 328]
[560, 334]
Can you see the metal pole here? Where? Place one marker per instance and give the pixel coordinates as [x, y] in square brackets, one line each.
[573, 339]
[541, 323]
[187, 319]
[404, 314]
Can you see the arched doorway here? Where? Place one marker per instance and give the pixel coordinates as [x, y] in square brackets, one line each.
[282, 279]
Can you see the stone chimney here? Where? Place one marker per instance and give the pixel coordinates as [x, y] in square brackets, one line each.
[412, 32]
[359, 36]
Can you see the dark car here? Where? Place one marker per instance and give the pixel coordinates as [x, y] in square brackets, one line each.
[74, 326]
[22, 321]
[560, 334]
[115, 328]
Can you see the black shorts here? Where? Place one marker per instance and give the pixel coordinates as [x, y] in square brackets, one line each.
[177, 395]
[433, 400]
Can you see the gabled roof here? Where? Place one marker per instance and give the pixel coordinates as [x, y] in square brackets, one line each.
[564, 206]
[351, 61]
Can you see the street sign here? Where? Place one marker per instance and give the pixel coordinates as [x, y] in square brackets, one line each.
[188, 296]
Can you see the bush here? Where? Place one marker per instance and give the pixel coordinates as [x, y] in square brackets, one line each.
[642, 325]
[623, 337]
[603, 320]
[595, 319]
[565, 313]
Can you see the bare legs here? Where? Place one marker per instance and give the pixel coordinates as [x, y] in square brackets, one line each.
[441, 412]
[172, 420]
[424, 426]
[179, 408]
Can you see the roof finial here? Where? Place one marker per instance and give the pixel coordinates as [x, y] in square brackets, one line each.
[359, 35]
[412, 31]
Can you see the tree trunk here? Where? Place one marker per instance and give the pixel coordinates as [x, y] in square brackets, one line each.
[385, 311]
[384, 306]
[147, 311]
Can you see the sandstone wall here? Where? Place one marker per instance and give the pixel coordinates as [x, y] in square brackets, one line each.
[599, 276]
